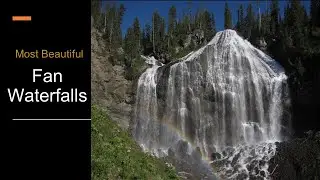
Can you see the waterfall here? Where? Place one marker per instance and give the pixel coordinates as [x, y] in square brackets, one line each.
[228, 99]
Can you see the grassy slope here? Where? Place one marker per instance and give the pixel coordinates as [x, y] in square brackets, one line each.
[115, 155]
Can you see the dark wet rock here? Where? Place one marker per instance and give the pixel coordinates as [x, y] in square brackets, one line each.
[235, 159]
[189, 166]
[196, 154]
[215, 156]
[224, 153]
[253, 152]
[263, 174]
[296, 159]
[182, 148]
[242, 176]
[229, 172]
[228, 151]
[317, 135]
[170, 152]
[249, 167]
[236, 168]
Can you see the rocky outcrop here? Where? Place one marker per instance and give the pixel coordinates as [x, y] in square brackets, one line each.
[109, 88]
[297, 159]
[303, 70]
[196, 37]
[189, 165]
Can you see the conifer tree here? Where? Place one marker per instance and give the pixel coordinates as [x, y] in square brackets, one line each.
[296, 22]
[172, 20]
[213, 22]
[227, 17]
[132, 42]
[240, 23]
[96, 12]
[137, 35]
[147, 40]
[158, 33]
[156, 21]
[129, 46]
[249, 22]
[189, 16]
[208, 26]
[265, 24]
[162, 36]
[172, 23]
[119, 22]
[315, 13]
[112, 20]
[274, 21]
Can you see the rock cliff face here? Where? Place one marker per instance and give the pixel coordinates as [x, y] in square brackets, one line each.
[297, 159]
[109, 87]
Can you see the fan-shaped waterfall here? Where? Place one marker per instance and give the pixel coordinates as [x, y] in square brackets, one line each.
[228, 100]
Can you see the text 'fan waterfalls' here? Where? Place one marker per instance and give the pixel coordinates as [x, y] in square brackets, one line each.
[227, 100]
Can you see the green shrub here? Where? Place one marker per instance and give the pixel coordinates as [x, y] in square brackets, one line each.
[135, 68]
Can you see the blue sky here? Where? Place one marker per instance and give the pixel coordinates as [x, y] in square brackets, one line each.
[144, 9]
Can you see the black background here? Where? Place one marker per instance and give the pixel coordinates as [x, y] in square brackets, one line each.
[46, 149]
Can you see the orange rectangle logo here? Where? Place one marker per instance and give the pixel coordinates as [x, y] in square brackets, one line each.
[21, 18]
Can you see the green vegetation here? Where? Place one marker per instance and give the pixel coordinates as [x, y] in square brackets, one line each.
[135, 69]
[115, 155]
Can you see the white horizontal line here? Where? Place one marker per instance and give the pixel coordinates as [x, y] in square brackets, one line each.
[52, 119]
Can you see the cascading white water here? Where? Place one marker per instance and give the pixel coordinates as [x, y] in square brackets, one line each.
[227, 99]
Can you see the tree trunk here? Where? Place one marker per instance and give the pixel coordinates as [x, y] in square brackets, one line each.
[111, 27]
[169, 42]
[139, 39]
[259, 21]
[105, 23]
